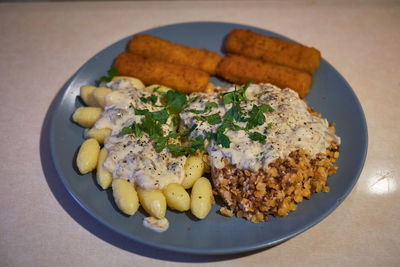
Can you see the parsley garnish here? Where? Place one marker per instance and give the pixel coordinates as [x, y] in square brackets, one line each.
[256, 136]
[153, 99]
[256, 115]
[196, 144]
[213, 119]
[207, 108]
[176, 150]
[133, 128]
[111, 74]
[160, 116]
[176, 101]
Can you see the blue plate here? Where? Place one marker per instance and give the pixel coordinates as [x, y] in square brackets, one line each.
[330, 95]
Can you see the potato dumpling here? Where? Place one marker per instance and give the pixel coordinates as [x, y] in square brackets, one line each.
[86, 93]
[201, 198]
[103, 177]
[153, 202]
[177, 197]
[98, 134]
[134, 81]
[160, 88]
[88, 156]
[194, 169]
[99, 95]
[125, 196]
[86, 116]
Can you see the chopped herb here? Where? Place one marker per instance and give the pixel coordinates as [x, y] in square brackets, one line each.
[133, 128]
[207, 108]
[196, 144]
[188, 131]
[152, 127]
[160, 116]
[175, 120]
[222, 139]
[111, 74]
[213, 119]
[173, 134]
[176, 150]
[256, 136]
[176, 101]
[153, 99]
[161, 143]
[256, 115]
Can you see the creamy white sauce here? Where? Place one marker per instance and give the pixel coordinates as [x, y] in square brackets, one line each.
[129, 156]
[158, 225]
[293, 127]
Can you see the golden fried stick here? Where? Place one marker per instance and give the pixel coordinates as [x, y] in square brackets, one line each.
[151, 46]
[152, 71]
[270, 49]
[240, 70]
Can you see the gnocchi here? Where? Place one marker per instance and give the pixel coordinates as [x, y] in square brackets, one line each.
[86, 116]
[98, 134]
[125, 196]
[86, 93]
[153, 202]
[99, 95]
[194, 169]
[201, 198]
[177, 197]
[103, 177]
[88, 156]
[135, 82]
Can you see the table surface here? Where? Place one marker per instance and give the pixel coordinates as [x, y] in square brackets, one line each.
[43, 44]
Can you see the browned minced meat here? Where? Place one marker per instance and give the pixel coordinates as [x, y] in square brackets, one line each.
[276, 191]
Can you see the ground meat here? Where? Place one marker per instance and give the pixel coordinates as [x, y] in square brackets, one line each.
[276, 191]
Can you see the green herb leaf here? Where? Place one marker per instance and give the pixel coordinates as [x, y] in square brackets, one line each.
[160, 116]
[126, 130]
[161, 144]
[256, 115]
[133, 128]
[188, 131]
[256, 136]
[213, 119]
[208, 107]
[196, 144]
[140, 111]
[173, 134]
[152, 127]
[175, 120]
[266, 108]
[222, 139]
[153, 99]
[176, 101]
[112, 72]
[176, 150]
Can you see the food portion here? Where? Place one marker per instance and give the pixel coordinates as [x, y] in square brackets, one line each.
[239, 70]
[264, 148]
[153, 47]
[153, 71]
[269, 151]
[270, 49]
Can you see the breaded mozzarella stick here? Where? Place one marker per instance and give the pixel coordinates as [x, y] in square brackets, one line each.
[150, 71]
[253, 45]
[154, 47]
[240, 70]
